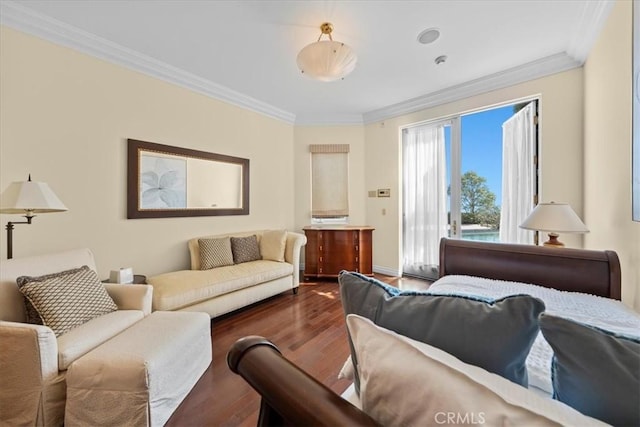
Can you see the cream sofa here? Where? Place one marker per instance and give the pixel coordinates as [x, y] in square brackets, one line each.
[33, 362]
[221, 290]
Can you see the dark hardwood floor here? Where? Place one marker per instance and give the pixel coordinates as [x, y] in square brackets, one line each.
[308, 328]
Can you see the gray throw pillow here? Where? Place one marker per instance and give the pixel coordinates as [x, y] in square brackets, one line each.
[493, 334]
[594, 371]
[215, 253]
[245, 249]
[67, 299]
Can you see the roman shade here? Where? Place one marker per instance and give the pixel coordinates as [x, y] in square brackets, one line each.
[329, 180]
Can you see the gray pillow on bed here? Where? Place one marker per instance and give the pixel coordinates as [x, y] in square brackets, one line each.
[493, 334]
[595, 371]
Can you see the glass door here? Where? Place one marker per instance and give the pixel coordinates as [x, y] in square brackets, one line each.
[460, 182]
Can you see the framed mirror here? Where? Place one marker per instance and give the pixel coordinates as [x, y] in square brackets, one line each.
[165, 181]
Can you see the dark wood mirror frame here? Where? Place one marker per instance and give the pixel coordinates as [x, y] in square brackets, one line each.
[134, 210]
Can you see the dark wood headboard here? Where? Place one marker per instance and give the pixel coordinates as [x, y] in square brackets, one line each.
[575, 270]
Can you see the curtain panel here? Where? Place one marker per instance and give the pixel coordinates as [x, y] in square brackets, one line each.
[518, 175]
[425, 196]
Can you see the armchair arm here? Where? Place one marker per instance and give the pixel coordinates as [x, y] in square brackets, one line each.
[29, 352]
[295, 242]
[32, 390]
[290, 396]
[131, 297]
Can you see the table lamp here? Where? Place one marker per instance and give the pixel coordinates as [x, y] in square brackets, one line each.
[29, 198]
[554, 218]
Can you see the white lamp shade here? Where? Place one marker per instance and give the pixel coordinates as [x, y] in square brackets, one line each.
[29, 196]
[555, 218]
[327, 60]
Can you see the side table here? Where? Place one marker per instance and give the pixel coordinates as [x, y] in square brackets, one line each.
[138, 279]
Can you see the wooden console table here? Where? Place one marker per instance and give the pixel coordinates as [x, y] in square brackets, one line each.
[331, 249]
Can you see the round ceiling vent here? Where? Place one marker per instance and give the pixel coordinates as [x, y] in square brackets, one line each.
[429, 35]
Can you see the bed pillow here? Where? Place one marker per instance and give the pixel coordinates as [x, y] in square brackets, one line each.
[245, 249]
[435, 388]
[493, 334]
[215, 253]
[595, 371]
[273, 244]
[67, 299]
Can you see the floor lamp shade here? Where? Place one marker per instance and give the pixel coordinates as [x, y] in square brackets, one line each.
[30, 196]
[27, 198]
[554, 218]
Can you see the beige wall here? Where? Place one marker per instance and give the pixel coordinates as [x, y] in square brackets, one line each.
[561, 165]
[607, 127]
[65, 118]
[307, 135]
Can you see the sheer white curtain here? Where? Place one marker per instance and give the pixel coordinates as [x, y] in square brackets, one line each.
[425, 196]
[518, 175]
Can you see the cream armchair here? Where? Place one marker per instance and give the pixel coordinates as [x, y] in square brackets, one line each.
[33, 362]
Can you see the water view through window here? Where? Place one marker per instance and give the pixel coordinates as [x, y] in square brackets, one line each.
[481, 172]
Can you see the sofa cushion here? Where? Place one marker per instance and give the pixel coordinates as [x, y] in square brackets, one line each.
[245, 249]
[595, 371]
[68, 299]
[493, 334]
[215, 253]
[88, 336]
[177, 289]
[273, 244]
[435, 388]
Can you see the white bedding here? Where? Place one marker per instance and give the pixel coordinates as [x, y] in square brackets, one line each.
[605, 313]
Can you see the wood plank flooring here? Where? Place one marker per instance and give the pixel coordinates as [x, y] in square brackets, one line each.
[308, 328]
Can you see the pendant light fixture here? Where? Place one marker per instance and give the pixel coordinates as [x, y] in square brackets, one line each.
[326, 60]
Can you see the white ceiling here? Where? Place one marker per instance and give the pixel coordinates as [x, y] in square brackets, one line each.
[244, 52]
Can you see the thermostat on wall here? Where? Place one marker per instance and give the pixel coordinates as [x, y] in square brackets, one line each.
[384, 192]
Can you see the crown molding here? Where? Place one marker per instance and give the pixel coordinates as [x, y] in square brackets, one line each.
[594, 16]
[26, 20]
[330, 119]
[530, 71]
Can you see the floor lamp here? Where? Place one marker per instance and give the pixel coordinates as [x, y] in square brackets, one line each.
[29, 198]
[554, 218]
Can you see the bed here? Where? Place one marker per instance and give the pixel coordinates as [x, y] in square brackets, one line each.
[281, 383]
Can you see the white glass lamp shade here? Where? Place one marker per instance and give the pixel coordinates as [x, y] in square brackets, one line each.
[555, 218]
[327, 60]
[30, 197]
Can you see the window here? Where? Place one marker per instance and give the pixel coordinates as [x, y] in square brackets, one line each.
[329, 182]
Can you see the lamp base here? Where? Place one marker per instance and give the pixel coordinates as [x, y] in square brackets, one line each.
[553, 241]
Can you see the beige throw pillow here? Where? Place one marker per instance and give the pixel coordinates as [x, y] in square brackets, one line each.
[67, 299]
[273, 244]
[215, 253]
[404, 382]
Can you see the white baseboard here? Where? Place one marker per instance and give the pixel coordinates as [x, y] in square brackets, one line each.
[387, 271]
